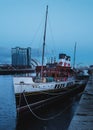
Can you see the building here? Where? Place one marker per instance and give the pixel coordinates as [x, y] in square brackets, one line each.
[21, 57]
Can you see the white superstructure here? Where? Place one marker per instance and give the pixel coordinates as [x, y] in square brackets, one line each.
[26, 84]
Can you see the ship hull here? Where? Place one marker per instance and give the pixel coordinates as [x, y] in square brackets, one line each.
[38, 99]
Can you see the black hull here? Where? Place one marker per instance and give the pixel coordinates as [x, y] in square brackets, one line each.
[37, 100]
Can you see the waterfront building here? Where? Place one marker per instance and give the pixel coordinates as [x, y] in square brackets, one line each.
[21, 57]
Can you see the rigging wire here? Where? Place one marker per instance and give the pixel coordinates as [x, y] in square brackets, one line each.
[45, 119]
[37, 30]
[50, 27]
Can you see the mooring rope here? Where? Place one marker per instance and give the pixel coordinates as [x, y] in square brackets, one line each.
[49, 93]
[59, 93]
[41, 118]
[19, 104]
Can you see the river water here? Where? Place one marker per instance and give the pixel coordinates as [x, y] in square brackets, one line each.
[64, 111]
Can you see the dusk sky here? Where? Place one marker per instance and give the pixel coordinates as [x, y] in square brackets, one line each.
[69, 21]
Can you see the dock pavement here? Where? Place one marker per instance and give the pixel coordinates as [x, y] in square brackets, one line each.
[83, 118]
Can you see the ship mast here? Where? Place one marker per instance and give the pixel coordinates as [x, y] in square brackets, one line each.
[44, 38]
[74, 60]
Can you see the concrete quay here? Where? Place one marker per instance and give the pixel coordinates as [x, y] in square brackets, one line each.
[83, 118]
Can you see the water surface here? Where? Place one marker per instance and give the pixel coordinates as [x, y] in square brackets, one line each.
[8, 119]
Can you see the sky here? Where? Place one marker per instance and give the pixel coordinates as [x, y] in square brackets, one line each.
[69, 21]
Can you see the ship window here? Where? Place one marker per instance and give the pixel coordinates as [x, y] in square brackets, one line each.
[21, 82]
[56, 86]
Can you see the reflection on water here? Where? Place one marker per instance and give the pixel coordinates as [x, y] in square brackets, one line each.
[65, 110]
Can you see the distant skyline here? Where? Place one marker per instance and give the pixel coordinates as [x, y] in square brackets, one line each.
[69, 21]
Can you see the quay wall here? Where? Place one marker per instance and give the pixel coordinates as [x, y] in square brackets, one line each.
[83, 118]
